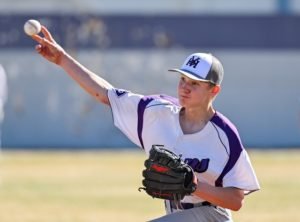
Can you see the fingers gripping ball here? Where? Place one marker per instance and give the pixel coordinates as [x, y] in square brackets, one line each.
[32, 27]
[166, 176]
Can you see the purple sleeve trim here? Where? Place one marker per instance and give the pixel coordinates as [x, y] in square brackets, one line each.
[141, 109]
[235, 145]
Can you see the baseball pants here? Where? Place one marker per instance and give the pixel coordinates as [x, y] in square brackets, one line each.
[198, 214]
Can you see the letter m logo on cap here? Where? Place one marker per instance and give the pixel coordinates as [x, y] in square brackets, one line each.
[193, 61]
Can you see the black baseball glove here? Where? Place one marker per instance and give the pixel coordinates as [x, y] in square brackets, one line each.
[166, 176]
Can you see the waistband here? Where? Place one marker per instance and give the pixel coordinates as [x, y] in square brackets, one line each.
[186, 206]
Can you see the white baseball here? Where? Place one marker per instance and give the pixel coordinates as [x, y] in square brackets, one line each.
[32, 27]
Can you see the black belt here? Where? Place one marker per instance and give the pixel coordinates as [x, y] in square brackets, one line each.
[186, 206]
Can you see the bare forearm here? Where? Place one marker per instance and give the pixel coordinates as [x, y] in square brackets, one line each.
[53, 52]
[89, 81]
[229, 197]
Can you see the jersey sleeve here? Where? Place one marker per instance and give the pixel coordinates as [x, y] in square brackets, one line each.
[124, 110]
[238, 172]
[242, 175]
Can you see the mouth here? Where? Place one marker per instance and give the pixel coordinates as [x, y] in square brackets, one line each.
[184, 96]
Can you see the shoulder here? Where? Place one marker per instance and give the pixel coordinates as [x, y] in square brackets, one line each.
[143, 103]
[147, 100]
[224, 123]
[158, 106]
[121, 97]
[160, 102]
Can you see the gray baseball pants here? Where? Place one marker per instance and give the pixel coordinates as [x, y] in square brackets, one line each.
[198, 214]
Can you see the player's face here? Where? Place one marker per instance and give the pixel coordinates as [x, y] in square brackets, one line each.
[193, 93]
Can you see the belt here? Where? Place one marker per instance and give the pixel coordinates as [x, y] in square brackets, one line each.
[186, 206]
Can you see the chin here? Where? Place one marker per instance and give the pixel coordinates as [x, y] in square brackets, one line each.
[182, 102]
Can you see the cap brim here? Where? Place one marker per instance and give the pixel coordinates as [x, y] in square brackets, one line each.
[190, 75]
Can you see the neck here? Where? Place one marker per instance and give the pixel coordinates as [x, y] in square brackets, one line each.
[194, 120]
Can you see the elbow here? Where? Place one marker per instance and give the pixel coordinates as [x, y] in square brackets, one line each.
[102, 98]
[237, 204]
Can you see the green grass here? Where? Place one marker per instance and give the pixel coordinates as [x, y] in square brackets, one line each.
[279, 197]
[103, 186]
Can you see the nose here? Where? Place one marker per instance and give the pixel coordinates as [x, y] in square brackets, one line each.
[185, 87]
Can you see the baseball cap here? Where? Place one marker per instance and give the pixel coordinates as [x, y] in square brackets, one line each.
[202, 67]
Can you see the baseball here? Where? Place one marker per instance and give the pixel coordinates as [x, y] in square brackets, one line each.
[32, 27]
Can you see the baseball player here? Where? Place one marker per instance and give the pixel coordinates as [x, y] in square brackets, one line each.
[188, 125]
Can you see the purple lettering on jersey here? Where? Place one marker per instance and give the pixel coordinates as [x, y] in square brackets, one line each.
[120, 92]
[235, 145]
[199, 166]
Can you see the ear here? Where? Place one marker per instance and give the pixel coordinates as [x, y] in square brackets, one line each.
[216, 89]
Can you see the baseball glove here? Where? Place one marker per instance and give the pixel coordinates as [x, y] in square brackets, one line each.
[166, 176]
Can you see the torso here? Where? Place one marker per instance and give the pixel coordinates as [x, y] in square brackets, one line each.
[196, 148]
[215, 152]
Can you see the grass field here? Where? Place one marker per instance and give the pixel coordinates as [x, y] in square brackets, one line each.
[99, 186]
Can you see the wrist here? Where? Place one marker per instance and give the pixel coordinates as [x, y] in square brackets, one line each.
[62, 58]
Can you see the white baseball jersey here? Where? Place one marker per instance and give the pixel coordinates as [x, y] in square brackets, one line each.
[215, 153]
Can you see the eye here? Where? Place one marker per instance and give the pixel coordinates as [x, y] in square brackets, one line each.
[195, 83]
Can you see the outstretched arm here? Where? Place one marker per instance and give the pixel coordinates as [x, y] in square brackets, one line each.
[53, 52]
